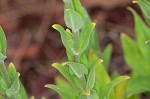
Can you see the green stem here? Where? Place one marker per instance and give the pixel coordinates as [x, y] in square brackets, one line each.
[76, 46]
[4, 74]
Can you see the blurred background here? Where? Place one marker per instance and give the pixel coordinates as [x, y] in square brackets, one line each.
[33, 45]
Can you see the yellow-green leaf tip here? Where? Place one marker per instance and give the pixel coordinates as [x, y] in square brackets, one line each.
[18, 74]
[127, 77]
[32, 97]
[54, 26]
[68, 31]
[64, 63]
[100, 61]
[134, 1]
[87, 93]
[11, 65]
[54, 64]
[93, 25]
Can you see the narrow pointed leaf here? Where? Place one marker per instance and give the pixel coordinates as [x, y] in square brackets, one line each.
[80, 9]
[65, 93]
[145, 7]
[2, 42]
[106, 90]
[137, 85]
[133, 56]
[91, 76]
[106, 56]
[85, 37]
[142, 34]
[64, 70]
[66, 39]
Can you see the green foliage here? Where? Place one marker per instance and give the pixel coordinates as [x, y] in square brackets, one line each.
[105, 87]
[71, 18]
[84, 72]
[137, 54]
[2, 42]
[145, 7]
[10, 86]
[93, 42]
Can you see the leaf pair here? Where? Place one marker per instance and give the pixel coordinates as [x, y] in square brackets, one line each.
[69, 41]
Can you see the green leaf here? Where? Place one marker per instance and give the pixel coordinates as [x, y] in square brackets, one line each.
[83, 59]
[145, 7]
[91, 76]
[2, 91]
[120, 92]
[134, 57]
[68, 4]
[66, 39]
[3, 84]
[17, 90]
[106, 90]
[22, 93]
[85, 37]
[12, 71]
[3, 44]
[93, 95]
[65, 93]
[78, 8]
[73, 20]
[2, 57]
[90, 80]
[102, 78]
[62, 82]
[15, 87]
[142, 35]
[64, 70]
[78, 69]
[106, 56]
[138, 84]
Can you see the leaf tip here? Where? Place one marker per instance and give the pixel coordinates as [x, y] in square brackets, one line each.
[18, 74]
[87, 93]
[127, 77]
[54, 26]
[134, 1]
[100, 61]
[68, 31]
[93, 25]
[123, 35]
[64, 63]
[11, 64]
[54, 64]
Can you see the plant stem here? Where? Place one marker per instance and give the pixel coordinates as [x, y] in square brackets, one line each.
[4, 74]
[76, 46]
